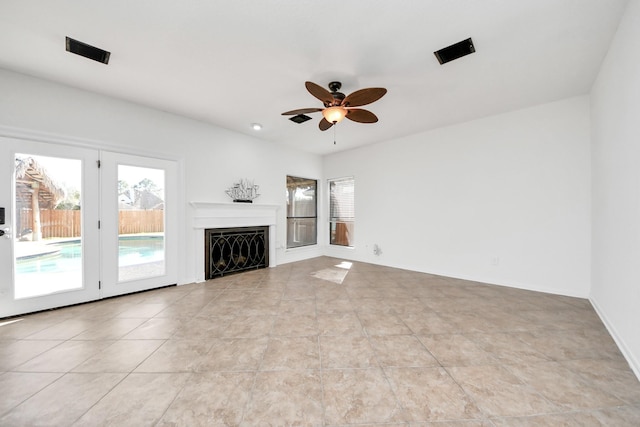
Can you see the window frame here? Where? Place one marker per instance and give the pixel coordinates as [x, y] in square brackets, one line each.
[292, 219]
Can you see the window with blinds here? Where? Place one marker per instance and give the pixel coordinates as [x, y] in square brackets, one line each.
[302, 217]
[341, 211]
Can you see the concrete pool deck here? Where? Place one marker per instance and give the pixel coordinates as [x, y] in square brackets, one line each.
[32, 249]
[28, 249]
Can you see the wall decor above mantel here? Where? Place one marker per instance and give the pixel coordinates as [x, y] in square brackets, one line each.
[243, 191]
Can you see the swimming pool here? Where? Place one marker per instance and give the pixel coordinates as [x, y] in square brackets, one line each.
[132, 250]
[57, 267]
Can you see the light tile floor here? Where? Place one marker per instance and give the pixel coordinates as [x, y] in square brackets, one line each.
[314, 343]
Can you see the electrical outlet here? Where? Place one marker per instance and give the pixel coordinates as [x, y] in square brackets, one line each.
[376, 250]
[495, 260]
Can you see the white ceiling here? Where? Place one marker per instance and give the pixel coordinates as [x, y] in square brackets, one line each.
[235, 62]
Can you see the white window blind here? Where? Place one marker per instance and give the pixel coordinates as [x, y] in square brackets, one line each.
[342, 200]
[342, 211]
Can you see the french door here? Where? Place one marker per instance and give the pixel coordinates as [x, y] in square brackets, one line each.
[49, 253]
[72, 231]
[139, 223]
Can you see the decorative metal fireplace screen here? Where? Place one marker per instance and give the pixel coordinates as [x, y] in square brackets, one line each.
[232, 250]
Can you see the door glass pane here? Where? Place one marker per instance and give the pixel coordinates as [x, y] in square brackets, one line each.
[141, 198]
[48, 247]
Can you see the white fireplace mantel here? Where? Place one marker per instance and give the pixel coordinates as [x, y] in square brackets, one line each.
[217, 215]
[224, 215]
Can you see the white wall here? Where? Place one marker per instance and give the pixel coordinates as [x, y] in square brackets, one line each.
[511, 190]
[513, 187]
[615, 100]
[211, 158]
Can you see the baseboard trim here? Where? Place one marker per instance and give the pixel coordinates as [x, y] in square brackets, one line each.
[624, 349]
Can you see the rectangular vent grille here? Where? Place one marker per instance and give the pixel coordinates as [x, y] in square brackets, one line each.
[300, 118]
[455, 51]
[88, 51]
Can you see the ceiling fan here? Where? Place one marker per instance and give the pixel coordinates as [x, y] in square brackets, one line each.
[337, 106]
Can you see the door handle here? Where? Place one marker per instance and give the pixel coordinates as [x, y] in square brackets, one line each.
[6, 232]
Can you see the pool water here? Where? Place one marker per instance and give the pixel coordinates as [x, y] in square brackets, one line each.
[136, 250]
[131, 251]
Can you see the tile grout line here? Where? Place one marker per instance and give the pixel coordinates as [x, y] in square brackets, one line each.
[380, 366]
[257, 370]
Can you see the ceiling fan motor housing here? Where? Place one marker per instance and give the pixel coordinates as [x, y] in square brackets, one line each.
[338, 97]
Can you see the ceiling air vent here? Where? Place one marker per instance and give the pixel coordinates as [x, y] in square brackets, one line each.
[300, 118]
[88, 51]
[455, 51]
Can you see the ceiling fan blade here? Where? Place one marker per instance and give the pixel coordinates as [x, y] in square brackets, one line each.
[364, 96]
[301, 111]
[325, 124]
[319, 92]
[361, 116]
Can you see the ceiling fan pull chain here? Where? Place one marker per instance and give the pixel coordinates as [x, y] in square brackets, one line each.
[334, 134]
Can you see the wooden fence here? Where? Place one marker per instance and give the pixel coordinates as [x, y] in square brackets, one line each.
[66, 223]
[132, 222]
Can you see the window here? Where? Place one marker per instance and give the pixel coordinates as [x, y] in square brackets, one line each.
[302, 215]
[341, 211]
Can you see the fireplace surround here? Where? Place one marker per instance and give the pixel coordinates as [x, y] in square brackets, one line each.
[211, 215]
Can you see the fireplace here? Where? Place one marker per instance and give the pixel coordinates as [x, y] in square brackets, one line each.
[212, 215]
[233, 250]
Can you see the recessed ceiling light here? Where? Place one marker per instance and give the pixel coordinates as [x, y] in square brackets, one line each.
[256, 126]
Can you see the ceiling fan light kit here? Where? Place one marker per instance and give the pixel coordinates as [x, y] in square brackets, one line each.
[334, 114]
